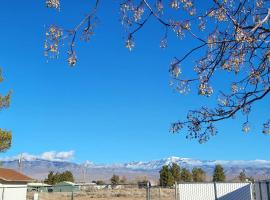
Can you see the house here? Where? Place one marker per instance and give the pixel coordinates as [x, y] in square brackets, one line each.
[13, 185]
[86, 186]
[65, 186]
[39, 187]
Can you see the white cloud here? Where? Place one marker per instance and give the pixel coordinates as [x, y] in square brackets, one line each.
[53, 155]
[49, 155]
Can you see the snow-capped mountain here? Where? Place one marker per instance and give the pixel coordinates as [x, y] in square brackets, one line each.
[189, 163]
[39, 167]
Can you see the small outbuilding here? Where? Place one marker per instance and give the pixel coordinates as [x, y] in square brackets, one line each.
[86, 186]
[13, 184]
[66, 186]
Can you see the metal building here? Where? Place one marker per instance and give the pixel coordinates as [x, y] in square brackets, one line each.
[65, 186]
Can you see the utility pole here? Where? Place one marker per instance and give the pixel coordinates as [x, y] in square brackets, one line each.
[83, 173]
[20, 163]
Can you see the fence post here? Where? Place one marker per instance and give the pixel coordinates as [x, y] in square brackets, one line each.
[176, 191]
[3, 193]
[72, 197]
[268, 192]
[149, 189]
[159, 193]
[215, 190]
[36, 196]
[260, 188]
[147, 192]
[253, 190]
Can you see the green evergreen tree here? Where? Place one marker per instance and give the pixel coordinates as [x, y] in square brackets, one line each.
[186, 176]
[5, 136]
[219, 175]
[198, 175]
[66, 176]
[170, 181]
[54, 178]
[251, 179]
[100, 182]
[115, 180]
[123, 180]
[166, 178]
[57, 178]
[176, 172]
[242, 176]
[50, 179]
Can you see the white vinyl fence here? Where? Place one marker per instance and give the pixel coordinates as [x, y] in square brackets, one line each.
[215, 191]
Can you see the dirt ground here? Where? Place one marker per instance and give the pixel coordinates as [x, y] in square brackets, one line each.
[108, 194]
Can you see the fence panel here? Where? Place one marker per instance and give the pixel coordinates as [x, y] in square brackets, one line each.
[262, 190]
[258, 191]
[233, 191]
[214, 191]
[195, 191]
[160, 193]
[49, 196]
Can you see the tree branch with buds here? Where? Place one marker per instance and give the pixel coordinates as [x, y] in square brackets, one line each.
[232, 38]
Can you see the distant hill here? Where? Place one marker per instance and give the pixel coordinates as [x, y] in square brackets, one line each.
[39, 168]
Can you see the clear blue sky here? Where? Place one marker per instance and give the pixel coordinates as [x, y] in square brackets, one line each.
[114, 106]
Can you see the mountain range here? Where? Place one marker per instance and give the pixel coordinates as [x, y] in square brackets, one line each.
[38, 168]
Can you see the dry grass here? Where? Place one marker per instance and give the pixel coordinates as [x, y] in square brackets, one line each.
[109, 194]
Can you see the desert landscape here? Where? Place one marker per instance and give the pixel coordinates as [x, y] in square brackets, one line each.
[108, 194]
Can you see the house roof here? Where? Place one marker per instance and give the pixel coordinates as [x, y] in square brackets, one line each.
[66, 183]
[11, 175]
[38, 185]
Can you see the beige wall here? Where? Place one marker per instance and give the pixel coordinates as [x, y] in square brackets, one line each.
[13, 191]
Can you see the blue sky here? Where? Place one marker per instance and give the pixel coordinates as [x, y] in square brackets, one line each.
[115, 105]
